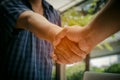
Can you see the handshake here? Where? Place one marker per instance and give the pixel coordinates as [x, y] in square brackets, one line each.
[71, 45]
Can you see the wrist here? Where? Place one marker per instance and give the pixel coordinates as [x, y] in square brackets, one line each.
[53, 31]
[89, 37]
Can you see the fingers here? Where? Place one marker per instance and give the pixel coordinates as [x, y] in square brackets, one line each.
[63, 50]
[54, 57]
[68, 52]
[84, 46]
[60, 58]
[74, 48]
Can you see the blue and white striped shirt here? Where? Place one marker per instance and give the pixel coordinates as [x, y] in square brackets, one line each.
[22, 55]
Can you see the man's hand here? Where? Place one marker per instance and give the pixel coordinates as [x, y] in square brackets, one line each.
[68, 52]
[73, 42]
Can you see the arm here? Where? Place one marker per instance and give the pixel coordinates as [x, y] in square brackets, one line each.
[16, 13]
[37, 24]
[46, 30]
[106, 23]
[20, 16]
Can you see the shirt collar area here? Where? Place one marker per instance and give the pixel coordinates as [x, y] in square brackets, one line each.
[46, 5]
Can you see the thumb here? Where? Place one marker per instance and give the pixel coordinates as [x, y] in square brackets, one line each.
[59, 36]
[83, 46]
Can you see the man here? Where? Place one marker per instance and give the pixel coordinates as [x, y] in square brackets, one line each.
[26, 36]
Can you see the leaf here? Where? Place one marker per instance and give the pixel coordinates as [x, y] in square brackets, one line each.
[100, 46]
[108, 46]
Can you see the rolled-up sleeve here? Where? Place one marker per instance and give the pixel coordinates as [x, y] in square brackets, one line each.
[11, 9]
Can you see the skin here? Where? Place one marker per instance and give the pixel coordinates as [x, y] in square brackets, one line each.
[105, 23]
[37, 23]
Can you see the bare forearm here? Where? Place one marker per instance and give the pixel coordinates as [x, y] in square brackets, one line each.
[38, 25]
[106, 23]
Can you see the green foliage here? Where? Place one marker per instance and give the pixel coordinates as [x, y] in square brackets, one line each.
[75, 72]
[84, 14]
[76, 76]
[92, 6]
[107, 46]
[72, 17]
[53, 74]
[96, 69]
[100, 46]
[115, 68]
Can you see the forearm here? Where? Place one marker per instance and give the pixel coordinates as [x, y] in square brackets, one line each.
[105, 23]
[37, 24]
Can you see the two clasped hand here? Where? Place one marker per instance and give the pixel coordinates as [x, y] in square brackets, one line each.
[70, 46]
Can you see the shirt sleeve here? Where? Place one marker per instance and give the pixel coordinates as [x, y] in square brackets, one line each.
[11, 9]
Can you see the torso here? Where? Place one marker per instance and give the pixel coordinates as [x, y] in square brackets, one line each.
[27, 56]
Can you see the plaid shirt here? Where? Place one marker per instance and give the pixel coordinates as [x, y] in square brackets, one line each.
[22, 55]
